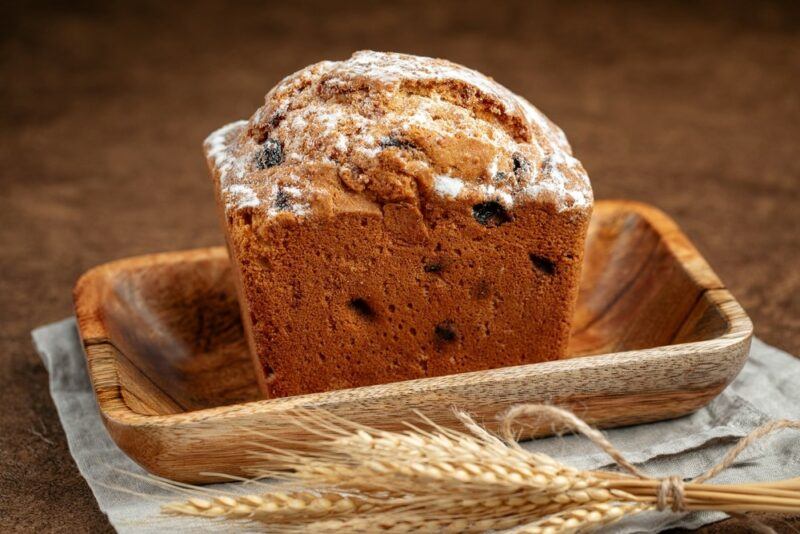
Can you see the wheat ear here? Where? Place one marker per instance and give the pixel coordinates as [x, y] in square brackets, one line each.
[433, 479]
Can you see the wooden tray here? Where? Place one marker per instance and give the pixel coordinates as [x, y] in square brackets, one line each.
[656, 336]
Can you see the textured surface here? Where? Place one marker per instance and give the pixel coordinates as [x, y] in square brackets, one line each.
[693, 109]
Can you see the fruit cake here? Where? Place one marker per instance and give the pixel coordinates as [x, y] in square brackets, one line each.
[392, 217]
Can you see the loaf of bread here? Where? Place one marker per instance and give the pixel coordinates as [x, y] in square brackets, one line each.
[392, 217]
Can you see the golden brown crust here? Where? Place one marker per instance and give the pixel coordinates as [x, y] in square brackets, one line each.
[394, 217]
[391, 128]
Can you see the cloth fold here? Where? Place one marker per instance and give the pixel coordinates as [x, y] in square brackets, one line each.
[765, 389]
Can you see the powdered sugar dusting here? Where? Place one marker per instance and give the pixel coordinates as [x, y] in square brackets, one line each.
[219, 149]
[341, 143]
[241, 196]
[490, 192]
[555, 181]
[451, 187]
[393, 69]
[447, 186]
[320, 129]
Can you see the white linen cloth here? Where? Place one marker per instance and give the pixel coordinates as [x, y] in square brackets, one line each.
[767, 388]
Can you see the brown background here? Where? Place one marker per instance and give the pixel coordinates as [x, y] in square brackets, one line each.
[694, 108]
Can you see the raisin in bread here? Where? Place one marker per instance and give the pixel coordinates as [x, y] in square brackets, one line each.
[393, 217]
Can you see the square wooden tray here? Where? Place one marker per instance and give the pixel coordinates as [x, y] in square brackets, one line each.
[656, 335]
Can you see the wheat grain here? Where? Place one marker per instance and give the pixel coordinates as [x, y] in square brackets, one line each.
[582, 519]
[401, 462]
[273, 506]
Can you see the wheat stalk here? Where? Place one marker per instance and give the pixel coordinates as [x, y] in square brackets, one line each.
[362, 479]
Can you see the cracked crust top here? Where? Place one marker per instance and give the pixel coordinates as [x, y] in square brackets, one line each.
[382, 128]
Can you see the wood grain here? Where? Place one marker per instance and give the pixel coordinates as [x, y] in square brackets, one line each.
[656, 336]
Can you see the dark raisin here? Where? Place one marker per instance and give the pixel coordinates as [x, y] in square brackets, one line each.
[446, 331]
[433, 267]
[271, 154]
[402, 144]
[521, 165]
[282, 200]
[361, 307]
[491, 214]
[545, 265]
[500, 176]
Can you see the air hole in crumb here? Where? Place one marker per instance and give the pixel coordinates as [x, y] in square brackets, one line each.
[545, 265]
[362, 307]
[434, 267]
[269, 373]
[446, 331]
[263, 262]
[491, 214]
[247, 218]
[482, 289]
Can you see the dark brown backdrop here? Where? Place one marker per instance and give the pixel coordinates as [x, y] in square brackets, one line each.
[694, 108]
